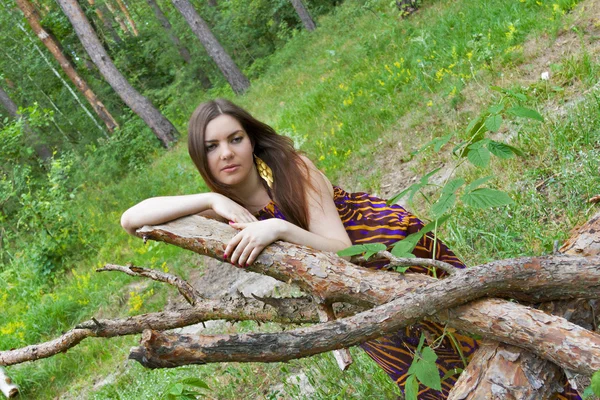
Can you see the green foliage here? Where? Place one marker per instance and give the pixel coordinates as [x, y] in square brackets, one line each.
[179, 391]
[423, 369]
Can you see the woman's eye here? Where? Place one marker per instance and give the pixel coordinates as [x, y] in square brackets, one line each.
[211, 147]
[237, 139]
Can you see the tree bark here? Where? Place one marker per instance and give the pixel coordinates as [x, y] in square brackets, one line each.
[238, 82]
[54, 47]
[100, 11]
[304, 15]
[564, 343]
[7, 387]
[116, 17]
[41, 149]
[162, 127]
[183, 51]
[528, 376]
[130, 20]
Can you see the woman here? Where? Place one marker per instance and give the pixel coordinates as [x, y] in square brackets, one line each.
[264, 188]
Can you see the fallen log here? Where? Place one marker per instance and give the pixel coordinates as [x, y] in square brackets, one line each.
[527, 376]
[160, 350]
[332, 279]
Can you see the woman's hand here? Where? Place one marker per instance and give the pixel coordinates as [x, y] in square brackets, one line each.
[244, 248]
[230, 210]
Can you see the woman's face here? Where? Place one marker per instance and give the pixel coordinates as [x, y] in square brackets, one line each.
[228, 149]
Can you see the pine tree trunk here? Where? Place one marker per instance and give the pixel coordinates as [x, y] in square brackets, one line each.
[162, 127]
[54, 47]
[41, 149]
[101, 13]
[183, 51]
[305, 17]
[115, 15]
[238, 82]
[128, 17]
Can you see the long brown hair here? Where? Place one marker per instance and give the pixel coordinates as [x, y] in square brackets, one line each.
[290, 173]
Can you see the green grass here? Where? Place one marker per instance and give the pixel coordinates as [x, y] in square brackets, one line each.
[337, 92]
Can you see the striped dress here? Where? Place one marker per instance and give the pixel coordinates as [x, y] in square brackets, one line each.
[368, 219]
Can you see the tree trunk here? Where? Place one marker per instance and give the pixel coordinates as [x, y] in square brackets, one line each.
[238, 82]
[118, 19]
[527, 376]
[53, 46]
[101, 13]
[162, 127]
[41, 149]
[183, 51]
[305, 17]
[128, 17]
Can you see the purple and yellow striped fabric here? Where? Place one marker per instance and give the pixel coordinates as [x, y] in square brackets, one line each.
[368, 219]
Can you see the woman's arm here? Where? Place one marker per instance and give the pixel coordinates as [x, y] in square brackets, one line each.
[325, 229]
[158, 210]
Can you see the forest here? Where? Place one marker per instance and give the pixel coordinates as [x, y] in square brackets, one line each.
[480, 117]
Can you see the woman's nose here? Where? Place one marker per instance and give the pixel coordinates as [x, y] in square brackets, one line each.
[226, 152]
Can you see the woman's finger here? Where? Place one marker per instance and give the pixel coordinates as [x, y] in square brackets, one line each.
[231, 246]
[254, 255]
[239, 248]
[243, 260]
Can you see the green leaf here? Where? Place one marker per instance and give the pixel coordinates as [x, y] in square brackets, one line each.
[451, 372]
[525, 113]
[474, 130]
[453, 186]
[176, 389]
[478, 156]
[429, 355]
[428, 374]
[500, 150]
[440, 142]
[445, 202]
[404, 247]
[587, 393]
[516, 150]
[477, 182]
[373, 248]
[493, 122]
[496, 109]
[596, 383]
[420, 345]
[431, 226]
[352, 251]
[402, 270]
[400, 195]
[485, 197]
[197, 382]
[411, 389]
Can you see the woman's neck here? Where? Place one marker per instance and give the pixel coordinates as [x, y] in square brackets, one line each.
[252, 192]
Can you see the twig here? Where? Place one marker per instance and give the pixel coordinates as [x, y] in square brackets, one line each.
[409, 262]
[191, 295]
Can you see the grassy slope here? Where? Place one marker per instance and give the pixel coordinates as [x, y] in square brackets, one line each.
[337, 92]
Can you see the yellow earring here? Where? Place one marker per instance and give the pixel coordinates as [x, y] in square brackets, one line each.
[264, 171]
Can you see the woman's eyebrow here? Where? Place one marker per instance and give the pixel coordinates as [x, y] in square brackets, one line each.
[228, 136]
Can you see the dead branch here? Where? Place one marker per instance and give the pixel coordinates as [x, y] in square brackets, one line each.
[298, 310]
[408, 262]
[159, 350]
[185, 289]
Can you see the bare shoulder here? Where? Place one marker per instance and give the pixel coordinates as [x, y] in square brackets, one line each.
[318, 178]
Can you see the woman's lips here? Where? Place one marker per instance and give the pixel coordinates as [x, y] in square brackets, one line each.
[231, 168]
